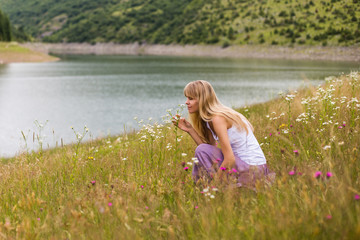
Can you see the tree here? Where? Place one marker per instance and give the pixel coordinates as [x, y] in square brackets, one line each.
[5, 28]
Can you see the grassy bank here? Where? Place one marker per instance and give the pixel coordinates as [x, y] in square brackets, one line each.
[12, 52]
[138, 186]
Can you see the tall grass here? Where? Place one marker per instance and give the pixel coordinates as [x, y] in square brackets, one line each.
[136, 186]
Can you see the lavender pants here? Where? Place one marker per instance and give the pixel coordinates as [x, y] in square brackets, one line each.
[210, 158]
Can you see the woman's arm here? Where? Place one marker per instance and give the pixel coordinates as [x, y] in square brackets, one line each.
[221, 126]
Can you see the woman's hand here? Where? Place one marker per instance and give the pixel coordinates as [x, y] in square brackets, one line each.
[182, 123]
[225, 167]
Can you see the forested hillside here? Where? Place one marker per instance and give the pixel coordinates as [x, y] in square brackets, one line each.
[271, 22]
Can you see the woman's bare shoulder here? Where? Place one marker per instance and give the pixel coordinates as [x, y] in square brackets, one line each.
[220, 120]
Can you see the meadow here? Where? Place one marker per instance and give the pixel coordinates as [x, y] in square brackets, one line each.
[139, 186]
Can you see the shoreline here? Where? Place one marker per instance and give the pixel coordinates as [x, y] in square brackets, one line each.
[247, 51]
[13, 52]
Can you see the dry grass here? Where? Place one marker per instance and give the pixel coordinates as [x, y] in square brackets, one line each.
[11, 52]
[135, 187]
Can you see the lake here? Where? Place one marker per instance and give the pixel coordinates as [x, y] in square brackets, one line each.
[105, 93]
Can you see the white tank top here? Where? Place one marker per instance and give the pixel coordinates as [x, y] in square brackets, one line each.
[245, 146]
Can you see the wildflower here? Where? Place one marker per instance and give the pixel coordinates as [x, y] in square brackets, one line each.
[296, 152]
[146, 207]
[183, 154]
[124, 159]
[212, 196]
[195, 160]
[189, 163]
[292, 173]
[183, 164]
[357, 197]
[38, 219]
[93, 182]
[205, 190]
[234, 170]
[186, 168]
[196, 207]
[142, 186]
[270, 134]
[329, 217]
[326, 147]
[223, 168]
[317, 174]
[340, 127]
[218, 160]
[329, 174]
[282, 150]
[110, 204]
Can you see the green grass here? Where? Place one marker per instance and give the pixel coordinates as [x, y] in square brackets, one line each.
[12, 47]
[134, 186]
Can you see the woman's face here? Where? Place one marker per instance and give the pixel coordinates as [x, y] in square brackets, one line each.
[192, 105]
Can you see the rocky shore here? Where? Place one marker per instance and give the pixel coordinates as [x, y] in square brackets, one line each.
[248, 51]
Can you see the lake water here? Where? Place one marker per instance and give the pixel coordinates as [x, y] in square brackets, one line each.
[105, 93]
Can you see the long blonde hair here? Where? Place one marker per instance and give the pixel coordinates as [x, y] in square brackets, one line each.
[209, 106]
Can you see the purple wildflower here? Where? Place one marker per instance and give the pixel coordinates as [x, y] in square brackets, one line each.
[292, 173]
[317, 174]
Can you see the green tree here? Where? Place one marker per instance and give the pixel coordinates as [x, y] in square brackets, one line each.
[5, 28]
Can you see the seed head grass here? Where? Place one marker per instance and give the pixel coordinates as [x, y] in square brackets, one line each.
[135, 186]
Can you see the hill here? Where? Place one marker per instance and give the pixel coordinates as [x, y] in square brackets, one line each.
[225, 22]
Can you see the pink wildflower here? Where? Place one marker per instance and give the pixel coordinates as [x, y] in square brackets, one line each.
[296, 152]
[340, 127]
[186, 168]
[300, 173]
[196, 207]
[223, 168]
[38, 219]
[317, 174]
[218, 160]
[270, 134]
[291, 125]
[344, 125]
[93, 182]
[357, 197]
[292, 173]
[110, 204]
[234, 170]
[329, 217]
[146, 207]
[142, 186]
[329, 175]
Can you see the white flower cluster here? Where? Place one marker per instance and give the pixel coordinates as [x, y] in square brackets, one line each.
[207, 193]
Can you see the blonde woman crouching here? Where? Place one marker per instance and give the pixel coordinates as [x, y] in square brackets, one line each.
[211, 123]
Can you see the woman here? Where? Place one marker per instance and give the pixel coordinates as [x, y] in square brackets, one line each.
[211, 123]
